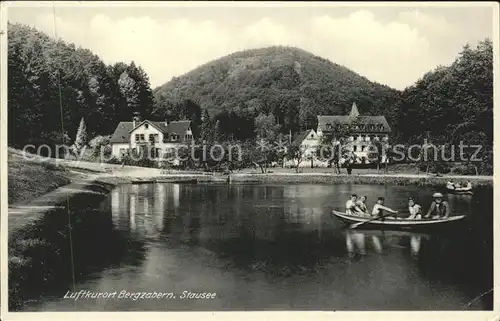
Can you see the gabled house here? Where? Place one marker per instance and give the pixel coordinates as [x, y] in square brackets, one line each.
[364, 130]
[308, 141]
[157, 137]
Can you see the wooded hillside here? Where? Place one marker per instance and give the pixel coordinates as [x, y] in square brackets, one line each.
[289, 83]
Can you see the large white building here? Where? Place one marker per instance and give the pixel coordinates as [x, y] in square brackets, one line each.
[159, 138]
[364, 130]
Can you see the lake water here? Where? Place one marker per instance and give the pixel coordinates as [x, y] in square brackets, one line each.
[266, 247]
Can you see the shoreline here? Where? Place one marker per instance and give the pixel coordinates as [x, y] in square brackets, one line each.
[86, 177]
[22, 214]
[299, 178]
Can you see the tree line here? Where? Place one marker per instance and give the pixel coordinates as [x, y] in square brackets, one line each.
[52, 85]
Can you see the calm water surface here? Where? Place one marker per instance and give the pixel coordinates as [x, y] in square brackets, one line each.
[274, 247]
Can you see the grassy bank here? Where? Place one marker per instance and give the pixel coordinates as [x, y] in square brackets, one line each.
[28, 180]
[40, 254]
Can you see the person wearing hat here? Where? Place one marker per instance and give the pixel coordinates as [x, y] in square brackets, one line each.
[414, 209]
[439, 208]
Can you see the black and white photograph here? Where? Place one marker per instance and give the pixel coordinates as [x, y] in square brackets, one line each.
[255, 156]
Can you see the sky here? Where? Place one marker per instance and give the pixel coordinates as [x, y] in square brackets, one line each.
[392, 45]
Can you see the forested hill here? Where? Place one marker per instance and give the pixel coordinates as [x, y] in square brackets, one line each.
[292, 84]
[52, 85]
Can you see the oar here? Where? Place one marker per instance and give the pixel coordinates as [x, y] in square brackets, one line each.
[370, 220]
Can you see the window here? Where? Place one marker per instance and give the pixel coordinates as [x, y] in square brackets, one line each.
[312, 136]
[154, 138]
[174, 137]
[142, 137]
[137, 137]
[354, 148]
[188, 137]
[146, 125]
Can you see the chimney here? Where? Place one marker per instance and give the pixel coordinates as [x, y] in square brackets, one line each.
[136, 119]
[166, 121]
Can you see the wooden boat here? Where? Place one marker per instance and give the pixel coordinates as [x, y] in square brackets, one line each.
[397, 223]
[460, 191]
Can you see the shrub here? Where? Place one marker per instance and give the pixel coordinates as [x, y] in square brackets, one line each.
[467, 169]
[100, 143]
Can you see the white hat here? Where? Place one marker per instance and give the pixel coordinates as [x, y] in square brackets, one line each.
[437, 195]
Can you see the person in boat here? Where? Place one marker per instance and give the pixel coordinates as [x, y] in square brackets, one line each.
[414, 209]
[439, 208]
[351, 207]
[466, 186]
[379, 208]
[450, 185]
[361, 204]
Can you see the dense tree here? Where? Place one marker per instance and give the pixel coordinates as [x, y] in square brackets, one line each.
[452, 104]
[52, 85]
[295, 152]
[207, 128]
[218, 134]
[266, 127]
[81, 139]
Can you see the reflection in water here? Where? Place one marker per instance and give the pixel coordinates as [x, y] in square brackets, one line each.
[415, 241]
[132, 212]
[97, 246]
[377, 245]
[356, 241]
[278, 247]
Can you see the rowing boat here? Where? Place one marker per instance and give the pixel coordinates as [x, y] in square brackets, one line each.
[397, 223]
[460, 191]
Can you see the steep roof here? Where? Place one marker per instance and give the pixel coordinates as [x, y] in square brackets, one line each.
[122, 131]
[178, 127]
[301, 136]
[354, 110]
[323, 121]
[158, 124]
[121, 134]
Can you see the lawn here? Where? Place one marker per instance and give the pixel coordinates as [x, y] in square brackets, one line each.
[28, 180]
